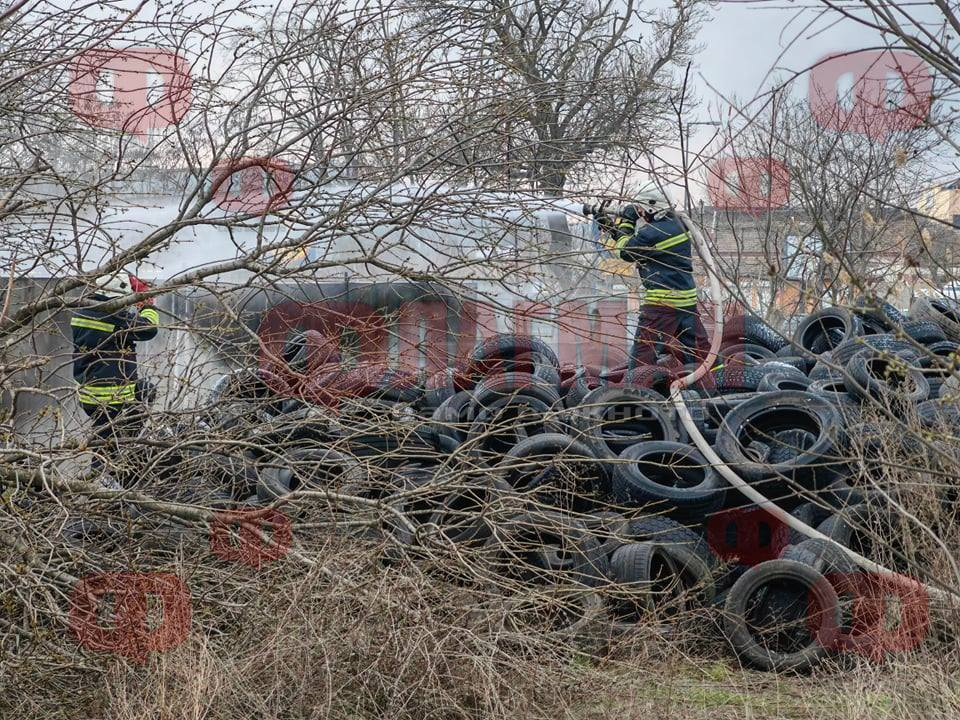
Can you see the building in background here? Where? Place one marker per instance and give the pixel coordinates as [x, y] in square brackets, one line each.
[942, 203]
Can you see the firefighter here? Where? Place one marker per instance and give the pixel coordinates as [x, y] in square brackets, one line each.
[105, 368]
[647, 231]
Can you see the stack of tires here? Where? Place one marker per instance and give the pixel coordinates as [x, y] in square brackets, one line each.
[562, 476]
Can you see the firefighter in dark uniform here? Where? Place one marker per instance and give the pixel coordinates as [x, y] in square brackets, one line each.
[648, 232]
[105, 367]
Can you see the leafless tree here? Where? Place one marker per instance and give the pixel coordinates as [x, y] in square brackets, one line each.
[333, 203]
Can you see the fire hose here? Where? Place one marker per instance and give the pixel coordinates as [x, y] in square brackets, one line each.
[716, 296]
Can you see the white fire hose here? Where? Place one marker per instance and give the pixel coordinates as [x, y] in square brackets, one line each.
[715, 461]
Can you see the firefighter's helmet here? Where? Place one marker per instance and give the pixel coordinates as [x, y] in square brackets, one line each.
[115, 284]
[652, 202]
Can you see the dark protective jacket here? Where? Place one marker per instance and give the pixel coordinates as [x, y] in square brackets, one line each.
[663, 254]
[105, 353]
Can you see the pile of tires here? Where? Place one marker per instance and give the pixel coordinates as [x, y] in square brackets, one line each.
[589, 483]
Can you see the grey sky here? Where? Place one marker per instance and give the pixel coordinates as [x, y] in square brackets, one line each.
[747, 47]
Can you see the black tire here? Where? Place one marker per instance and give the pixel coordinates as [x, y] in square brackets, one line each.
[760, 421]
[397, 386]
[571, 616]
[783, 381]
[314, 468]
[506, 347]
[716, 409]
[438, 388]
[825, 369]
[943, 353]
[669, 476]
[630, 563]
[393, 446]
[738, 378]
[454, 416]
[580, 388]
[236, 470]
[791, 365]
[809, 513]
[292, 405]
[881, 314]
[608, 527]
[546, 548]
[105, 535]
[835, 390]
[941, 311]
[650, 377]
[924, 332]
[612, 419]
[872, 531]
[823, 556]
[498, 387]
[791, 350]
[693, 556]
[307, 424]
[243, 384]
[664, 531]
[803, 364]
[501, 425]
[803, 650]
[883, 343]
[824, 330]
[938, 363]
[465, 516]
[646, 577]
[940, 413]
[751, 329]
[839, 494]
[872, 327]
[753, 354]
[411, 513]
[875, 376]
[557, 471]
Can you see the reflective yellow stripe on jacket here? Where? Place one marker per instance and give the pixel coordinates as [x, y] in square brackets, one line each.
[626, 230]
[671, 298]
[672, 241]
[150, 315]
[620, 245]
[90, 324]
[107, 394]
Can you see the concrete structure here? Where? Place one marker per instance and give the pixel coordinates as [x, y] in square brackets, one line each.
[518, 263]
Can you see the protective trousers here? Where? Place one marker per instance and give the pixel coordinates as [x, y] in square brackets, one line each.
[668, 330]
[114, 426]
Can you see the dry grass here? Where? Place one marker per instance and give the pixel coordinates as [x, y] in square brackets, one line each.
[347, 626]
[357, 639]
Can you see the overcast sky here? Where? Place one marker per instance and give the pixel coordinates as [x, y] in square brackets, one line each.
[747, 47]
